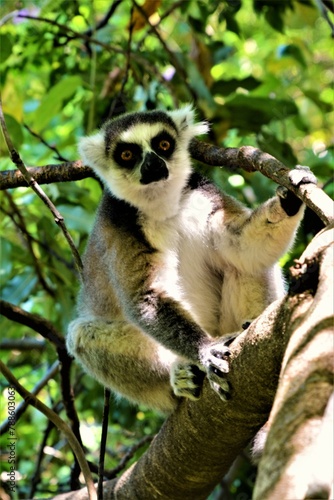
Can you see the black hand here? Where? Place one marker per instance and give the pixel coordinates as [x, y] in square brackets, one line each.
[289, 201]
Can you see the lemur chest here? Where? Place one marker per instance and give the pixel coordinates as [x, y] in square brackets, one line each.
[163, 237]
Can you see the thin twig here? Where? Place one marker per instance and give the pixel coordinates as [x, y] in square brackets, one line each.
[74, 34]
[69, 405]
[16, 159]
[127, 67]
[43, 141]
[46, 247]
[129, 454]
[35, 477]
[20, 409]
[173, 59]
[104, 21]
[59, 423]
[163, 16]
[103, 443]
[19, 222]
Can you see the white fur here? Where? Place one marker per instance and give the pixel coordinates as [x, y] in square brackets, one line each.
[160, 199]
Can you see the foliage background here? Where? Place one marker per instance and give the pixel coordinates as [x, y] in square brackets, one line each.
[260, 71]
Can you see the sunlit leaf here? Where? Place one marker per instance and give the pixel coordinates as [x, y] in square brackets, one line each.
[53, 101]
[292, 50]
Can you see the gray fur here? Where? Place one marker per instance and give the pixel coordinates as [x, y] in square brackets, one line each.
[171, 269]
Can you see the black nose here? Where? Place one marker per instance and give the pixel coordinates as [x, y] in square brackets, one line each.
[153, 169]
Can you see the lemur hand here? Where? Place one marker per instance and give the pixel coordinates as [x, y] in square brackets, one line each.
[289, 201]
[214, 359]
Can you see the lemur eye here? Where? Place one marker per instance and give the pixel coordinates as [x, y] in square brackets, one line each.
[164, 145]
[127, 155]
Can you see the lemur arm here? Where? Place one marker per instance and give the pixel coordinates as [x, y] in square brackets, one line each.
[254, 241]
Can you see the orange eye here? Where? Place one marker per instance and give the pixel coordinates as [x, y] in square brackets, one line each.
[126, 155]
[164, 145]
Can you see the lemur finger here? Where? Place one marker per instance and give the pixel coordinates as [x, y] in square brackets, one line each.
[297, 176]
[223, 391]
[301, 175]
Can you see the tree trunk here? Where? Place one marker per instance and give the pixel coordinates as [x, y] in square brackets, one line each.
[199, 442]
[298, 457]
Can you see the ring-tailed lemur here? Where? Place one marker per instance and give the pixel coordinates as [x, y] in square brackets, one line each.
[173, 266]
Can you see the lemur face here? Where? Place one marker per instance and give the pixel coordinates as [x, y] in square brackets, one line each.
[144, 151]
[142, 154]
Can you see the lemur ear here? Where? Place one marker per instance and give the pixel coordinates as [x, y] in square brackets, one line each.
[184, 119]
[92, 150]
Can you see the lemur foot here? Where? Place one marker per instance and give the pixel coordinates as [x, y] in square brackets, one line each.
[289, 201]
[187, 380]
[214, 358]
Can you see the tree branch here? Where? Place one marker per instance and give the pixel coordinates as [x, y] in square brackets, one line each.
[33, 321]
[104, 21]
[21, 408]
[16, 159]
[63, 172]
[247, 158]
[59, 423]
[18, 220]
[24, 344]
[298, 442]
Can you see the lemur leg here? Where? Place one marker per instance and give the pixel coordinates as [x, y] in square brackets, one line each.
[122, 358]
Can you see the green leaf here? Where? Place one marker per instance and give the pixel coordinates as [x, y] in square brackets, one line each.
[19, 288]
[292, 50]
[77, 218]
[280, 150]
[273, 11]
[14, 130]
[232, 24]
[248, 113]
[53, 101]
[274, 18]
[226, 87]
[5, 47]
[197, 24]
[314, 97]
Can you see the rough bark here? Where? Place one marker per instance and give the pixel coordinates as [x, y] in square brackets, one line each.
[298, 457]
[63, 172]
